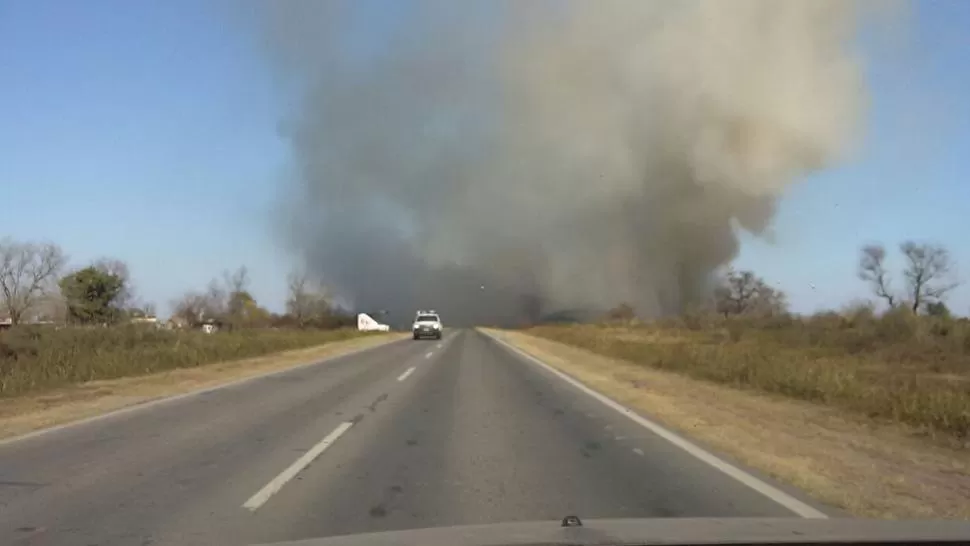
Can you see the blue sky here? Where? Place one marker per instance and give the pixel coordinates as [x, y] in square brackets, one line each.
[910, 179]
[141, 130]
[148, 131]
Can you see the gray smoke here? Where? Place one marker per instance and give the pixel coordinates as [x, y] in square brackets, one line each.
[496, 160]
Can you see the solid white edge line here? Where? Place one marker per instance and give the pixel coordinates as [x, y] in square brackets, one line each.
[291, 471]
[181, 396]
[405, 375]
[773, 493]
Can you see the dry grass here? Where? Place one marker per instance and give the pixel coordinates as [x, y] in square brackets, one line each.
[868, 468]
[36, 358]
[22, 414]
[897, 368]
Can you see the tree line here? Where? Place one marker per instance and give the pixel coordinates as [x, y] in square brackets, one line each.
[927, 275]
[37, 286]
[229, 304]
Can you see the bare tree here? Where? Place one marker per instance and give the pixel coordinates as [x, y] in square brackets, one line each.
[872, 269]
[237, 281]
[195, 308]
[734, 295]
[51, 306]
[298, 302]
[927, 273]
[216, 300]
[191, 308]
[768, 301]
[743, 292]
[28, 272]
[236, 293]
[306, 301]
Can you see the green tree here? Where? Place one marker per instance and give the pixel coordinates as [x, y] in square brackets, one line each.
[91, 294]
[244, 312]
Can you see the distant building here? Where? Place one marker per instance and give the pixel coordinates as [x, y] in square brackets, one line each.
[42, 322]
[176, 323]
[147, 321]
[211, 325]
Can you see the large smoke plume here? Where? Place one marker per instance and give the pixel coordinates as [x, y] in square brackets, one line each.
[496, 160]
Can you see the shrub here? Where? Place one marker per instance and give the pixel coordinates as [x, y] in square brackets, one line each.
[622, 312]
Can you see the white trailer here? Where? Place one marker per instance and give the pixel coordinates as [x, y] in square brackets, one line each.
[365, 323]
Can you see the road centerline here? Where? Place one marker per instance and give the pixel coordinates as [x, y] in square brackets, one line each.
[291, 471]
[406, 373]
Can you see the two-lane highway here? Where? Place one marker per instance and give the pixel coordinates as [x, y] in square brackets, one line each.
[405, 435]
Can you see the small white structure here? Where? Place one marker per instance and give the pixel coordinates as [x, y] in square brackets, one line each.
[148, 321]
[366, 323]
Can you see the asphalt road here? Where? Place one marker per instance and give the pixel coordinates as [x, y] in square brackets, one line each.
[406, 435]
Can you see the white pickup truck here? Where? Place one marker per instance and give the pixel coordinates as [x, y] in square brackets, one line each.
[426, 324]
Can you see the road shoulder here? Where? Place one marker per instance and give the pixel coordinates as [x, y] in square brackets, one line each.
[868, 470]
[29, 413]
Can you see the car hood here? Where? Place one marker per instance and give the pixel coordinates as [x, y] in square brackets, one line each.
[670, 531]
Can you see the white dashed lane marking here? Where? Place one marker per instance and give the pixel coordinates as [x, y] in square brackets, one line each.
[291, 471]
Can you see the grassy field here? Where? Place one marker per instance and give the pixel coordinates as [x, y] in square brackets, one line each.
[35, 359]
[894, 368]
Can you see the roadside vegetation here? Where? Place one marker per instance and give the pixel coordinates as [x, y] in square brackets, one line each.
[37, 358]
[61, 325]
[909, 364]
